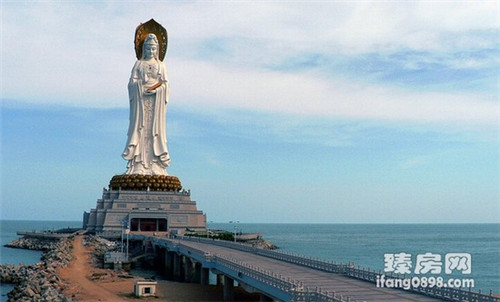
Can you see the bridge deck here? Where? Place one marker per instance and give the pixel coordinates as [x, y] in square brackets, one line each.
[342, 285]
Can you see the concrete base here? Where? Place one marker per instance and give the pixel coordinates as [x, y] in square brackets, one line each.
[161, 212]
[145, 288]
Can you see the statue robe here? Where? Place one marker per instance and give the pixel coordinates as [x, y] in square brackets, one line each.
[146, 148]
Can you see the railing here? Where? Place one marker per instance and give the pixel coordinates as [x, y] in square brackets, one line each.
[295, 289]
[113, 257]
[256, 273]
[109, 234]
[445, 293]
[363, 274]
[201, 254]
[305, 295]
[315, 263]
[449, 293]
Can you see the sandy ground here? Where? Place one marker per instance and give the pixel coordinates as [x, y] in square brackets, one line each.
[86, 283]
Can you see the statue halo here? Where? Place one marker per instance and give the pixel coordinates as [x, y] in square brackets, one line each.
[151, 27]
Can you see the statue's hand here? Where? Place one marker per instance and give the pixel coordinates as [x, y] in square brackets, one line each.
[149, 92]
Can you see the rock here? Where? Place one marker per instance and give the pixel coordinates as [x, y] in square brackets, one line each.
[38, 282]
[29, 292]
[31, 243]
[262, 244]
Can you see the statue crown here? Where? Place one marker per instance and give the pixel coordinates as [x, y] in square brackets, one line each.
[151, 39]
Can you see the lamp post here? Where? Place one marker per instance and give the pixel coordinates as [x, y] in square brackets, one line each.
[124, 221]
[122, 237]
[127, 230]
[208, 234]
[235, 228]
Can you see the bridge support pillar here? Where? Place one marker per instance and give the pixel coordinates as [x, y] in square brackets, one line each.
[169, 265]
[188, 269]
[228, 289]
[177, 267]
[204, 276]
[220, 279]
[196, 272]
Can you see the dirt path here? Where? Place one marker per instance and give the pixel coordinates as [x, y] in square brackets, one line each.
[76, 275]
[111, 287]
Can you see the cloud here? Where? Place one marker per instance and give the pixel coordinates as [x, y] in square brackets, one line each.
[200, 83]
[416, 161]
[223, 55]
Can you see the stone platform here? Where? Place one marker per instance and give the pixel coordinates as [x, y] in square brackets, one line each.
[144, 211]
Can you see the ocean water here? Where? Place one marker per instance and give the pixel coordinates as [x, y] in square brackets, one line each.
[366, 244]
[8, 229]
[363, 244]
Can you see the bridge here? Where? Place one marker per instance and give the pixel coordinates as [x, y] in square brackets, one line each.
[283, 276]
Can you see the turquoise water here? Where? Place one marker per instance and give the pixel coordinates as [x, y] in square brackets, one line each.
[8, 231]
[366, 244]
[363, 244]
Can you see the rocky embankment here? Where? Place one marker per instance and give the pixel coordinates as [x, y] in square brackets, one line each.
[99, 246]
[31, 243]
[38, 282]
[262, 244]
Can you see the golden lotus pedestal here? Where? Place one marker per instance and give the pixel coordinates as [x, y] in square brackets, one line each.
[137, 182]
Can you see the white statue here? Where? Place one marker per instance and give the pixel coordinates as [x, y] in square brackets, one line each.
[148, 88]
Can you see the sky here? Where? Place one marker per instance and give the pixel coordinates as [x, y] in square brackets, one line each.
[279, 111]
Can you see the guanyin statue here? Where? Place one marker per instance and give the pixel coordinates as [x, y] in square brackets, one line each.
[146, 149]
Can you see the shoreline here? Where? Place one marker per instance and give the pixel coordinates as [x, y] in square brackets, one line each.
[58, 276]
[38, 281]
[123, 283]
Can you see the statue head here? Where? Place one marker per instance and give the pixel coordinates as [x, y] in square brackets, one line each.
[150, 47]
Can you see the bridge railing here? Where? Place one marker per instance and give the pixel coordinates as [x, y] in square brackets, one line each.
[316, 295]
[255, 273]
[177, 244]
[303, 294]
[292, 287]
[363, 274]
[445, 293]
[315, 263]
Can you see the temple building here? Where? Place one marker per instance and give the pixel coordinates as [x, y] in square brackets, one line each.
[144, 212]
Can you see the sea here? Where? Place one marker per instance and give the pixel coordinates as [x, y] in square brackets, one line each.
[366, 245]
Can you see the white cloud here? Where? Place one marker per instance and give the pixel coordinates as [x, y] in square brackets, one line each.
[81, 54]
[340, 26]
[416, 161]
[204, 84]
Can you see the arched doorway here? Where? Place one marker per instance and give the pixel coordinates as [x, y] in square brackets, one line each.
[148, 225]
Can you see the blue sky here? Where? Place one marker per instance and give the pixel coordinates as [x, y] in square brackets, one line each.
[279, 111]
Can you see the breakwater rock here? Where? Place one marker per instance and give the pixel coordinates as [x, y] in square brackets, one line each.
[39, 282]
[31, 243]
[99, 246]
[262, 244]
